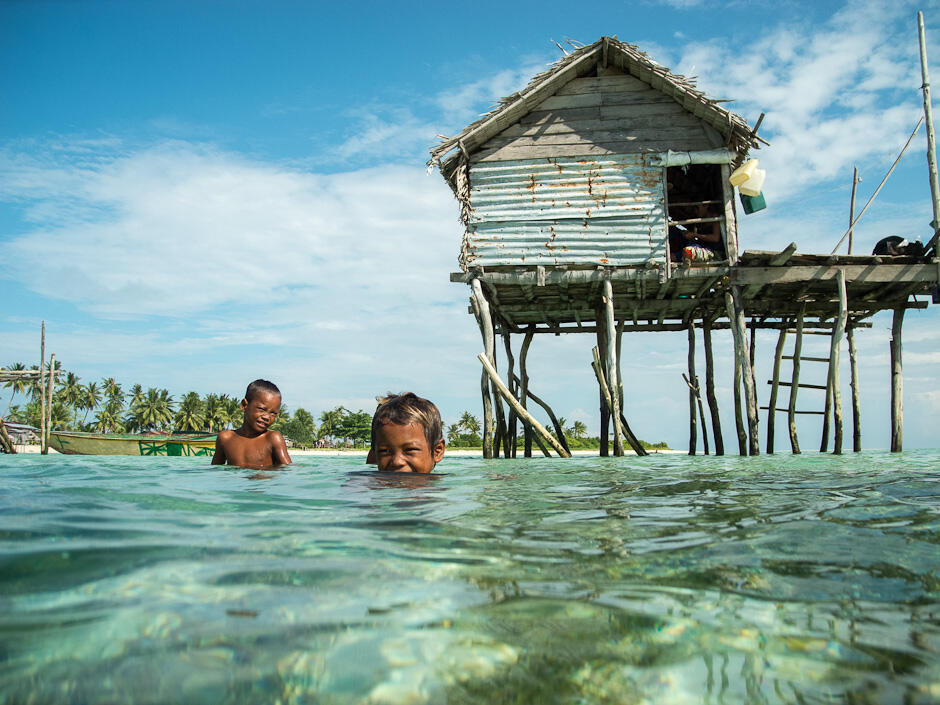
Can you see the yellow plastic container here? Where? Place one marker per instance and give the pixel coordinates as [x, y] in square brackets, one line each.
[742, 173]
[752, 187]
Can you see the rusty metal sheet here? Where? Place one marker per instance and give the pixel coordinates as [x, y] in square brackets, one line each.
[605, 210]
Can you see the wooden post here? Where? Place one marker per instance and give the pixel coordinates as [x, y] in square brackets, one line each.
[49, 394]
[834, 351]
[931, 141]
[795, 382]
[42, 391]
[736, 313]
[5, 441]
[897, 383]
[514, 389]
[710, 385]
[514, 403]
[775, 383]
[852, 204]
[738, 418]
[524, 385]
[481, 309]
[612, 365]
[856, 416]
[604, 406]
[692, 381]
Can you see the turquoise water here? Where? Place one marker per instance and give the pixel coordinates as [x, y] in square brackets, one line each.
[666, 579]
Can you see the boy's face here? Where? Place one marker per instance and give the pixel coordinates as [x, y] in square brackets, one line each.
[261, 411]
[405, 449]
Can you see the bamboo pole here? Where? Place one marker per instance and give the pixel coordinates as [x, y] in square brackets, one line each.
[710, 385]
[856, 416]
[897, 383]
[931, 141]
[481, 308]
[692, 382]
[612, 365]
[49, 398]
[733, 304]
[42, 391]
[514, 403]
[511, 434]
[795, 382]
[775, 384]
[834, 352]
[524, 385]
[604, 405]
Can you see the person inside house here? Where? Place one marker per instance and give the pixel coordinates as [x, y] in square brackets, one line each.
[407, 434]
[692, 242]
[253, 444]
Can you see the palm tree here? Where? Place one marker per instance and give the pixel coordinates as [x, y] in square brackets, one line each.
[137, 395]
[233, 415]
[191, 415]
[109, 418]
[469, 423]
[91, 399]
[578, 430]
[70, 391]
[17, 385]
[330, 422]
[453, 434]
[60, 415]
[112, 389]
[155, 410]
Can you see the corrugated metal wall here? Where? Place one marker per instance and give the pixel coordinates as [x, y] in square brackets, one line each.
[605, 210]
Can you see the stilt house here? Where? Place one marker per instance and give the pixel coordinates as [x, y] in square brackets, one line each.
[569, 191]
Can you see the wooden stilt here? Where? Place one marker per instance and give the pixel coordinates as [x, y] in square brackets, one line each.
[692, 382]
[612, 365]
[604, 406]
[607, 401]
[551, 415]
[42, 391]
[49, 394]
[775, 384]
[897, 383]
[738, 417]
[856, 416]
[524, 386]
[514, 390]
[513, 402]
[710, 385]
[795, 382]
[5, 441]
[736, 313]
[481, 309]
[834, 351]
[753, 331]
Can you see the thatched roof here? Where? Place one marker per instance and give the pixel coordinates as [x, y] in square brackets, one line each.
[610, 52]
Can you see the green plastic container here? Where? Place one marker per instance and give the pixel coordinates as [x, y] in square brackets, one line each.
[752, 204]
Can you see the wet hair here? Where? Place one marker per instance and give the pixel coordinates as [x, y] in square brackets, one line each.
[408, 408]
[261, 385]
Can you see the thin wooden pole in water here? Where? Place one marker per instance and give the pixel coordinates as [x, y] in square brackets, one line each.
[834, 354]
[710, 385]
[738, 418]
[604, 405]
[692, 382]
[49, 398]
[42, 391]
[795, 382]
[612, 365]
[736, 313]
[481, 309]
[897, 383]
[774, 386]
[856, 416]
[524, 384]
[514, 389]
[513, 402]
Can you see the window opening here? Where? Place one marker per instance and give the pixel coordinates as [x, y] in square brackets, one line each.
[696, 218]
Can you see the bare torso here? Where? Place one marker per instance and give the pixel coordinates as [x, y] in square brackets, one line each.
[264, 450]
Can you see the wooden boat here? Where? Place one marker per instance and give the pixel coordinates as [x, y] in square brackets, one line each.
[78, 443]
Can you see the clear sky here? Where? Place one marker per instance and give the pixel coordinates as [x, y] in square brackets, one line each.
[196, 194]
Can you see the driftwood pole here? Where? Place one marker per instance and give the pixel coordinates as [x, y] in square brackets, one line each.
[775, 385]
[524, 385]
[736, 313]
[514, 403]
[42, 391]
[692, 382]
[795, 382]
[605, 407]
[897, 383]
[710, 385]
[612, 365]
[931, 141]
[49, 400]
[834, 353]
[482, 310]
[514, 389]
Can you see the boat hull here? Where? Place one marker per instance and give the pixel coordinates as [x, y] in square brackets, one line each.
[75, 443]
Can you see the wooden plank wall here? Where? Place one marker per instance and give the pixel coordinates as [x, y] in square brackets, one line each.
[611, 114]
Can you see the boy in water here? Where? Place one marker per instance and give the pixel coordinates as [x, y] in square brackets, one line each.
[407, 434]
[252, 445]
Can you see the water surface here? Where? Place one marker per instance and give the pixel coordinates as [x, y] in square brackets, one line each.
[638, 580]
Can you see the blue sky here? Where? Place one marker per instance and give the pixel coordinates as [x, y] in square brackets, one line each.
[195, 194]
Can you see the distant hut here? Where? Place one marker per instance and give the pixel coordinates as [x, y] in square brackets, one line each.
[597, 200]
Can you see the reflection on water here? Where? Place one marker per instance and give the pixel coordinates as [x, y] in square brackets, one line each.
[662, 579]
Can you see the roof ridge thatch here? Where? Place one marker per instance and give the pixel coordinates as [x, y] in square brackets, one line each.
[733, 127]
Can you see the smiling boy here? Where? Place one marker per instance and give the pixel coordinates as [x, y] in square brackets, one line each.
[252, 445]
[407, 434]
